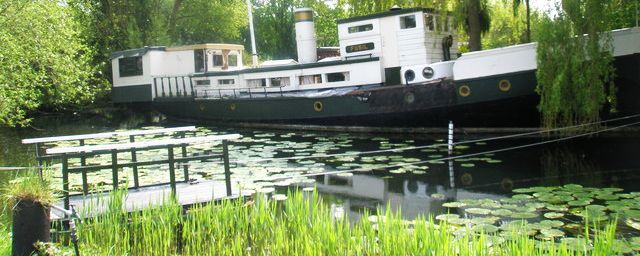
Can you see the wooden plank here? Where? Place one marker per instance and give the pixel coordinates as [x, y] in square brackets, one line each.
[107, 135]
[138, 199]
[142, 144]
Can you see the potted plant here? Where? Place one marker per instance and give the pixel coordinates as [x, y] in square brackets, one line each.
[31, 198]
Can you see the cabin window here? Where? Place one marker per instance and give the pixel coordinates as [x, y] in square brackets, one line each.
[203, 82]
[279, 81]
[254, 83]
[361, 28]
[337, 77]
[430, 24]
[226, 81]
[217, 60]
[311, 79]
[200, 60]
[130, 66]
[360, 47]
[233, 60]
[408, 22]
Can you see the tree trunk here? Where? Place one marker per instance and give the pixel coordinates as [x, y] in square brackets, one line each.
[473, 21]
[174, 17]
[528, 22]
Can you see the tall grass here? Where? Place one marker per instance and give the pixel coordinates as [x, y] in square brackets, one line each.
[300, 225]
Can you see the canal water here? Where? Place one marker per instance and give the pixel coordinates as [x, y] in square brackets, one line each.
[418, 183]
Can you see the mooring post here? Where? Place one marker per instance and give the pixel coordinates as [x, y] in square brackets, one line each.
[450, 138]
[134, 159]
[65, 180]
[172, 171]
[227, 172]
[185, 166]
[114, 169]
[83, 163]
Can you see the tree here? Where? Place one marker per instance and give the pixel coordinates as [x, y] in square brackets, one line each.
[575, 64]
[516, 4]
[44, 63]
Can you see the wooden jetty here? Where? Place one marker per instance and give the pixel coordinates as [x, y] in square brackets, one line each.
[186, 192]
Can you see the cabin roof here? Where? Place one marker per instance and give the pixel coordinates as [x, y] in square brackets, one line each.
[237, 47]
[385, 14]
[136, 52]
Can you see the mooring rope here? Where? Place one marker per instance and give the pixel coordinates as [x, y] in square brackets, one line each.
[436, 145]
[445, 158]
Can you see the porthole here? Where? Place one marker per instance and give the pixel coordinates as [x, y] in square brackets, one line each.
[232, 107]
[428, 72]
[464, 91]
[409, 75]
[409, 97]
[201, 106]
[504, 85]
[317, 106]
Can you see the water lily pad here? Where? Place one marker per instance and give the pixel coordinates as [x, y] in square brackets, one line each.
[631, 223]
[453, 204]
[576, 244]
[438, 196]
[557, 208]
[484, 220]
[468, 165]
[458, 221]
[553, 215]
[578, 203]
[502, 212]
[550, 233]
[522, 190]
[478, 211]
[446, 217]
[535, 205]
[484, 228]
[551, 223]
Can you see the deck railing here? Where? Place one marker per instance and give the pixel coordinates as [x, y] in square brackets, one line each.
[245, 92]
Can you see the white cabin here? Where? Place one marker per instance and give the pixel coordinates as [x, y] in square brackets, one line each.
[373, 51]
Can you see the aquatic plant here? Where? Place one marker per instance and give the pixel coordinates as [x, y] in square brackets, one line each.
[304, 225]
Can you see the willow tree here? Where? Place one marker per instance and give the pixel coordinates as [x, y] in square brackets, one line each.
[575, 64]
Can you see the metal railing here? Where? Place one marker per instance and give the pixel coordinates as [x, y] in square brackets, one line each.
[173, 87]
[245, 92]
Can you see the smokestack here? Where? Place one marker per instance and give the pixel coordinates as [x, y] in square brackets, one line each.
[305, 35]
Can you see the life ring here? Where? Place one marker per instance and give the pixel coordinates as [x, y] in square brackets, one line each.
[464, 91]
[504, 85]
[317, 106]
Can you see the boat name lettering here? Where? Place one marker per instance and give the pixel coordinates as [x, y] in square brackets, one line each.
[360, 47]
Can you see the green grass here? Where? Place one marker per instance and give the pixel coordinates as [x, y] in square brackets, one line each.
[304, 225]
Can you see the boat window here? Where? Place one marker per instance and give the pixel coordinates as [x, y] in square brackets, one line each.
[337, 77]
[428, 18]
[233, 60]
[200, 60]
[360, 47]
[279, 81]
[361, 28]
[254, 83]
[203, 82]
[130, 66]
[311, 79]
[408, 21]
[226, 81]
[217, 60]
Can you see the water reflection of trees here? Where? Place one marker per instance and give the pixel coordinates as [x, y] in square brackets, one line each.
[564, 164]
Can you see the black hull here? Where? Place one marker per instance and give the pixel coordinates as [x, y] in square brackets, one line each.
[478, 102]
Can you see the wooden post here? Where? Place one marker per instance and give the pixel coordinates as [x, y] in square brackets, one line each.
[134, 159]
[227, 172]
[172, 171]
[65, 180]
[185, 167]
[83, 162]
[114, 168]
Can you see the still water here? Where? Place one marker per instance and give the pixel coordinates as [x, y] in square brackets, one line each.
[418, 184]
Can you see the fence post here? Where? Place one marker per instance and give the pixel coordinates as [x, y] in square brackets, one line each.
[172, 171]
[114, 168]
[134, 159]
[83, 163]
[227, 172]
[40, 162]
[65, 180]
[185, 166]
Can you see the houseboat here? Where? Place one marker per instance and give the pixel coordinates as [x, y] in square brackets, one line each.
[398, 68]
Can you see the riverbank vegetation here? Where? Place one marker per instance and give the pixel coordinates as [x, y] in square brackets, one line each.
[55, 54]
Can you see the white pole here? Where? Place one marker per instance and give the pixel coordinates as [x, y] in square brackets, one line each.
[450, 141]
[254, 54]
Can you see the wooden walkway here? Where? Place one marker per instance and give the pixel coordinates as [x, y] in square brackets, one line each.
[140, 198]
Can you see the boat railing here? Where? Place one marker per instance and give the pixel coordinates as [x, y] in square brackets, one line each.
[173, 87]
[244, 92]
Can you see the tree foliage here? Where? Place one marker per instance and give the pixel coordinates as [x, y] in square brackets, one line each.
[575, 72]
[44, 63]
[507, 29]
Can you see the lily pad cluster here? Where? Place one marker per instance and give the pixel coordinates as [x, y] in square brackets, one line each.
[549, 213]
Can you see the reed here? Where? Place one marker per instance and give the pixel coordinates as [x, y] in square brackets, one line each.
[303, 225]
